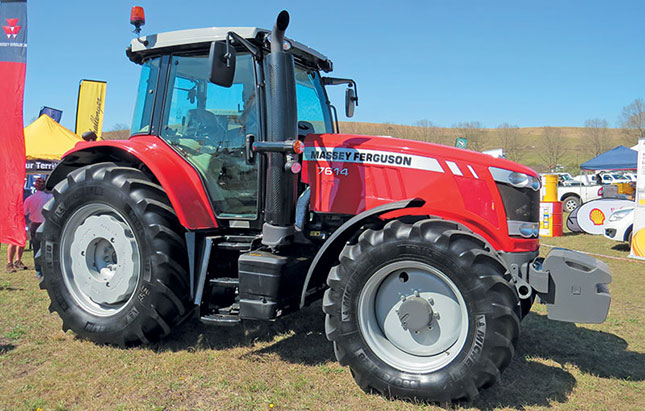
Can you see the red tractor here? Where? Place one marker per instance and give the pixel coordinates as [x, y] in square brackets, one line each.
[237, 196]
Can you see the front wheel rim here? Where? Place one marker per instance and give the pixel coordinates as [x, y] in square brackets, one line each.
[395, 304]
[100, 259]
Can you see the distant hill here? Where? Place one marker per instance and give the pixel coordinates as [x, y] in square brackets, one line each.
[529, 141]
[526, 145]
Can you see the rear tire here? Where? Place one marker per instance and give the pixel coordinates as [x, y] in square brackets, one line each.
[570, 203]
[113, 256]
[432, 263]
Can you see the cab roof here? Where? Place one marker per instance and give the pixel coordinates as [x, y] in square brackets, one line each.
[161, 43]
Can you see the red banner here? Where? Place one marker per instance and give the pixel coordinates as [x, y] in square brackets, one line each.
[13, 55]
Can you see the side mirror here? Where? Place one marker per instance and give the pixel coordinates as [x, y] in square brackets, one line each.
[222, 64]
[350, 102]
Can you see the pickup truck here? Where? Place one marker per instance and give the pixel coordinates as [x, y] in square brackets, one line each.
[574, 195]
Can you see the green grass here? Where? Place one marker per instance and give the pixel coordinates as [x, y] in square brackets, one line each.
[291, 365]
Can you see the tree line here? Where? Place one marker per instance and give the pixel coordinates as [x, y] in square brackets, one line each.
[544, 148]
[550, 146]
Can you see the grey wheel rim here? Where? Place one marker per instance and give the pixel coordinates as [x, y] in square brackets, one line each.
[413, 317]
[571, 205]
[100, 259]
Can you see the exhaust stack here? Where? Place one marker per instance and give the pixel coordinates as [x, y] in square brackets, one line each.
[282, 124]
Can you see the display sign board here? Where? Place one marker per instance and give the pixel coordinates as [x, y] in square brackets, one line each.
[40, 166]
[461, 142]
[638, 231]
[592, 215]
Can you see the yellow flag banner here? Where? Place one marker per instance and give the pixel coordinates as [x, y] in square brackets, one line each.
[89, 111]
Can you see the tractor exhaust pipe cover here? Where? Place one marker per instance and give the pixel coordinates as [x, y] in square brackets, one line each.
[282, 124]
[277, 35]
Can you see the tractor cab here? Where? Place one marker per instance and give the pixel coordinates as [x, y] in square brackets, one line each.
[212, 126]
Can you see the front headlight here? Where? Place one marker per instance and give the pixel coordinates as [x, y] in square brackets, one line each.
[514, 178]
[619, 215]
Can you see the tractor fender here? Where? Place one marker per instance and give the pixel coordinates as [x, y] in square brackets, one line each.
[179, 179]
[339, 237]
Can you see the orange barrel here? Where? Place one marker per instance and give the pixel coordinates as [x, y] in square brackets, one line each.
[551, 219]
[551, 188]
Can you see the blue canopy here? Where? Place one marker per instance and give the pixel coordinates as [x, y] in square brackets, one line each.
[619, 158]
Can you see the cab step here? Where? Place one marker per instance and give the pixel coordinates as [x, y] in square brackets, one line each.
[221, 319]
[225, 282]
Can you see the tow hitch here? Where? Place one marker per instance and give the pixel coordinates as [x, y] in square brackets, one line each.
[572, 285]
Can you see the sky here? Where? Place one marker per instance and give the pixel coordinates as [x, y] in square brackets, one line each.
[526, 63]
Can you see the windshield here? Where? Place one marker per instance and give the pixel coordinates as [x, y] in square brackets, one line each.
[312, 101]
[208, 123]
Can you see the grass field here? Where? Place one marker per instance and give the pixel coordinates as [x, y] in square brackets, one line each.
[289, 364]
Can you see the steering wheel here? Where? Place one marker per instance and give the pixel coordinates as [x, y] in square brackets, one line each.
[203, 124]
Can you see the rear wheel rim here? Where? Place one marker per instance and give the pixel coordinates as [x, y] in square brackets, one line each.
[100, 259]
[408, 289]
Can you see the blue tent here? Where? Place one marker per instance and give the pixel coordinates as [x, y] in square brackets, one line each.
[619, 158]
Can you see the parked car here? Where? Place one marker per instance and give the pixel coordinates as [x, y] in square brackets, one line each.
[614, 178]
[565, 179]
[573, 195]
[607, 178]
[630, 176]
[620, 224]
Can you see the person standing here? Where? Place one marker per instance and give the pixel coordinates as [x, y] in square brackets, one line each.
[34, 211]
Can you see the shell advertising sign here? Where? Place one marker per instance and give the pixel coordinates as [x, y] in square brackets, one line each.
[597, 217]
[591, 216]
[638, 231]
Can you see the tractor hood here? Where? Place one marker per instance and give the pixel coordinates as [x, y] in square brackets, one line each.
[349, 174]
[406, 151]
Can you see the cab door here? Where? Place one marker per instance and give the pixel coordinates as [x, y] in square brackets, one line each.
[208, 124]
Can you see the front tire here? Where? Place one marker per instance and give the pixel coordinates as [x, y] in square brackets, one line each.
[629, 235]
[424, 311]
[113, 256]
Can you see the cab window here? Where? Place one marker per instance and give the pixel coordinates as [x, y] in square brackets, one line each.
[145, 96]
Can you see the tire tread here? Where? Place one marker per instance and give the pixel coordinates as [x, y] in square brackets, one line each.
[469, 252]
[163, 234]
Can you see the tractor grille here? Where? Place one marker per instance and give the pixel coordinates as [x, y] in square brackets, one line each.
[520, 204]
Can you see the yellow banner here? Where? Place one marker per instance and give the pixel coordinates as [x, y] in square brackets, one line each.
[91, 102]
